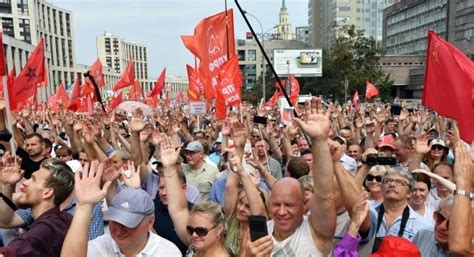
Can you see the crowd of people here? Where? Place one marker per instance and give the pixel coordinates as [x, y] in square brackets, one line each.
[335, 180]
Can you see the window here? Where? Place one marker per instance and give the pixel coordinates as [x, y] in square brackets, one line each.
[252, 55]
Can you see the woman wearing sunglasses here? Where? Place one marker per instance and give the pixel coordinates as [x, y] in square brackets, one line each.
[373, 183]
[438, 153]
[238, 206]
[202, 228]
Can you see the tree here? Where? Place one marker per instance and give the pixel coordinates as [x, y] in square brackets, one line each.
[352, 57]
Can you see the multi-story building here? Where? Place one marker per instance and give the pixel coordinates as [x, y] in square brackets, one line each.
[31, 20]
[325, 17]
[302, 34]
[115, 53]
[407, 23]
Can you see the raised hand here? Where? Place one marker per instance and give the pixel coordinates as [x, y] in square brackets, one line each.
[316, 125]
[360, 209]
[136, 123]
[110, 173]
[226, 128]
[87, 184]
[239, 135]
[169, 154]
[131, 176]
[463, 170]
[421, 145]
[10, 173]
[403, 114]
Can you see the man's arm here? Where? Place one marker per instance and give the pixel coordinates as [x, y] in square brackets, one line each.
[323, 211]
[88, 194]
[460, 233]
[136, 126]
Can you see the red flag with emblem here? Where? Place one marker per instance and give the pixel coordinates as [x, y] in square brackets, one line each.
[230, 80]
[276, 95]
[370, 90]
[449, 84]
[127, 78]
[159, 84]
[195, 88]
[213, 39]
[135, 91]
[32, 74]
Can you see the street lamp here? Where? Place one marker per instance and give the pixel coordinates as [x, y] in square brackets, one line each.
[263, 57]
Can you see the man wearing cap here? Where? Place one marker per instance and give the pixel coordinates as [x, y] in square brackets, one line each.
[386, 147]
[130, 216]
[198, 172]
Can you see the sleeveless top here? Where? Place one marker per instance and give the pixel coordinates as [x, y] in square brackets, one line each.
[300, 243]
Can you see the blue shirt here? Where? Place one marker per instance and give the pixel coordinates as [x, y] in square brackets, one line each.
[218, 189]
[414, 224]
[425, 241]
[96, 227]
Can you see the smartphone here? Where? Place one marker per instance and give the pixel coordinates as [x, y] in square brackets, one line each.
[258, 227]
[260, 120]
[395, 110]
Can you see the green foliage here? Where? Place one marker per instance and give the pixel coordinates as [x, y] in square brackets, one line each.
[350, 56]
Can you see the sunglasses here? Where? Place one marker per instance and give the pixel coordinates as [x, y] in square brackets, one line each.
[439, 219]
[200, 231]
[437, 147]
[372, 177]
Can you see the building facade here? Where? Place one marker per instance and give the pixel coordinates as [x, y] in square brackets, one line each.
[407, 23]
[115, 53]
[31, 20]
[325, 18]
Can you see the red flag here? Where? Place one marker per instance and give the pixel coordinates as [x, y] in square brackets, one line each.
[355, 98]
[32, 74]
[221, 107]
[53, 103]
[274, 99]
[2, 57]
[152, 101]
[230, 82]
[294, 90]
[90, 105]
[127, 78]
[10, 80]
[44, 83]
[135, 91]
[160, 82]
[195, 88]
[370, 90]
[179, 97]
[115, 101]
[75, 95]
[449, 84]
[97, 74]
[213, 39]
[62, 95]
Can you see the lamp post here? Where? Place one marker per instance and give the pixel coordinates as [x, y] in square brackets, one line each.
[263, 57]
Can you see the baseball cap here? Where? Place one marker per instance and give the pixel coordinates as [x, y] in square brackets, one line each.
[392, 246]
[194, 146]
[438, 141]
[129, 207]
[387, 141]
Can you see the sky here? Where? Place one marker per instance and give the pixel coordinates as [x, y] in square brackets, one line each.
[158, 24]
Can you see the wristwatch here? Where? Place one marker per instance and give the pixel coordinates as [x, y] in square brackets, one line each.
[463, 192]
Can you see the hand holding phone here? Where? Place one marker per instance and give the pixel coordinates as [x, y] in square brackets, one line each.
[257, 227]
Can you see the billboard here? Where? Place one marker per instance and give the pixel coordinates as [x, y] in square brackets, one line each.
[299, 62]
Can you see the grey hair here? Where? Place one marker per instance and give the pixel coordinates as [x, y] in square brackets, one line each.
[448, 201]
[124, 155]
[402, 172]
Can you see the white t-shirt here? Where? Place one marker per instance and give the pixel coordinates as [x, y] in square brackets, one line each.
[300, 243]
[105, 246]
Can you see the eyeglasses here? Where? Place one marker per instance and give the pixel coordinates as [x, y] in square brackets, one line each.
[437, 147]
[200, 231]
[398, 182]
[439, 219]
[372, 177]
[189, 153]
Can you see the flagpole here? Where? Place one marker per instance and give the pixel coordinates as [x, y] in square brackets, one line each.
[88, 74]
[9, 113]
[226, 30]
